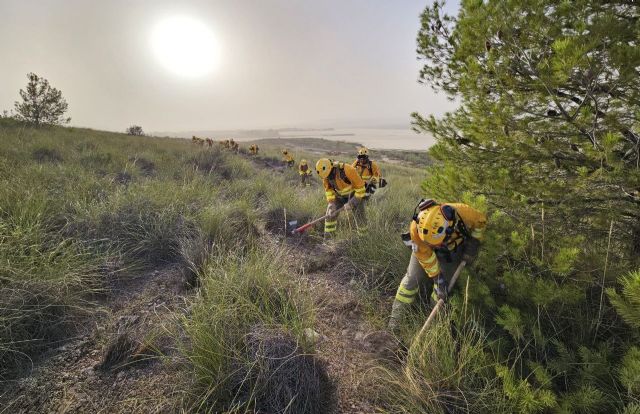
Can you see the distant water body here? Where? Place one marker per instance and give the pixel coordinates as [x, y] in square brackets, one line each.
[380, 138]
[375, 138]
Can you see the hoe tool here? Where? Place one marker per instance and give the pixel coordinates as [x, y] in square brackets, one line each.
[310, 224]
[440, 302]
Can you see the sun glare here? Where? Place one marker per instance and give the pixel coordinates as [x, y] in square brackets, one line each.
[185, 46]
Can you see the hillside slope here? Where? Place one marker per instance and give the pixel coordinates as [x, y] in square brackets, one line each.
[153, 224]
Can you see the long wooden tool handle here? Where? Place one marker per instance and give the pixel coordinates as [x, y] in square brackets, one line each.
[311, 223]
[440, 303]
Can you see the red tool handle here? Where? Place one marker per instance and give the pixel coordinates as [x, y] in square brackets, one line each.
[311, 223]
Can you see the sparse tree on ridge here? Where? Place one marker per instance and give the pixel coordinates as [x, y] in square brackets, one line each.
[135, 130]
[41, 103]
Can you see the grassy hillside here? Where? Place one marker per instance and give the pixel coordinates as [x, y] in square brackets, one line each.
[164, 269]
[83, 210]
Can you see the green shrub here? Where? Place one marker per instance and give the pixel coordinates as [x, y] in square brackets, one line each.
[243, 300]
[448, 369]
[44, 280]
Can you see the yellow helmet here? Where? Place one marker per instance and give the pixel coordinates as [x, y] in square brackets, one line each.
[435, 224]
[363, 151]
[303, 162]
[324, 167]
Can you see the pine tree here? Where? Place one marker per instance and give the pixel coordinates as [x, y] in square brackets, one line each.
[549, 118]
[41, 103]
[547, 133]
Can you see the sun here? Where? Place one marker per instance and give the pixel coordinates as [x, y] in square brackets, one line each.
[185, 46]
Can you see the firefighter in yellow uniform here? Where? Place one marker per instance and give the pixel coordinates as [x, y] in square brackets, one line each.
[305, 173]
[287, 158]
[440, 236]
[343, 187]
[368, 170]
[253, 149]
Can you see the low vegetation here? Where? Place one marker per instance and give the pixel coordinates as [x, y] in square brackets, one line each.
[94, 214]
[546, 320]
[248, 344]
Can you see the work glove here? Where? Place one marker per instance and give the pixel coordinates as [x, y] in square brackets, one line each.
[406, 239]
[371, 188]
[440, 286]
[383, 183]
[471, 248]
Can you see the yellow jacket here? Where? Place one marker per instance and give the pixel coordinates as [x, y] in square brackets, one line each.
[304, 169]
[368, 172]
[475, 222]
[287, 157]
[335, 184]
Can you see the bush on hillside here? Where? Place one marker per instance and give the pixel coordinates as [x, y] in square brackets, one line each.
[135, 130]
[543, 133]
[449, 369]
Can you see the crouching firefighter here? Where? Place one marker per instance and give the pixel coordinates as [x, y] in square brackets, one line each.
[287, 158]
[369, 171]
[343, 187]
[305, 173]
[440, 237]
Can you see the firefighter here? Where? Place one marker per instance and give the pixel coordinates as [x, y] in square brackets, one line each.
[440, 237]
[253, 149]
[287, 158]
[368, 170]
[305, 173]
[343, 187]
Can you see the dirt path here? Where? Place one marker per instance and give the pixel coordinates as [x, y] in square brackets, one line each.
[138, 325]
[349, 344]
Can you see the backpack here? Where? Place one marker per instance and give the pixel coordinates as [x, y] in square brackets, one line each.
[343, 176]
[368, 166]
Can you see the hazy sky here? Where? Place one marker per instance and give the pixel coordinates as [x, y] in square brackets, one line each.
[282, 62]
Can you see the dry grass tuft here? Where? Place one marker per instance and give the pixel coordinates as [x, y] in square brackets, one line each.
[124, 350]
[43, 154]
[279, 377]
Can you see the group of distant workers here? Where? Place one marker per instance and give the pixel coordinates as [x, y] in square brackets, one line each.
[229, 144]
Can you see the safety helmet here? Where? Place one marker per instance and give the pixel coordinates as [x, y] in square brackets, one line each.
[324, 167]
[303, 162]
[363, 152]
[435, 224]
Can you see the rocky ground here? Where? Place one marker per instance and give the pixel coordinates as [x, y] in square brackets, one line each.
[349, 343]
[125, 359]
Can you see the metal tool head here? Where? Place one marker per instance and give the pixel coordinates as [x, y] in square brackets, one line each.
[292, 225]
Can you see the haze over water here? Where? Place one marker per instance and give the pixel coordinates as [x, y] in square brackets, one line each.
[376, 138]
